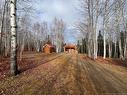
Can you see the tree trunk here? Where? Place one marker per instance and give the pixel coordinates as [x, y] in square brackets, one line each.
[89, 48]
[125, 43]
[120, 50]
[109, 48]
[57, 50]
[104, 56]
[115, 51]
[1, 30]
[125, 50]
[22, 49]
[95, 45]
[13, 67]
[7, 31]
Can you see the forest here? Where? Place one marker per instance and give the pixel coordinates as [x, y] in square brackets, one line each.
[31, 44]
[111, 17]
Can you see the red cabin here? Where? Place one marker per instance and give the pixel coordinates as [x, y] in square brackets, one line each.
[48, 48]
[70, 48]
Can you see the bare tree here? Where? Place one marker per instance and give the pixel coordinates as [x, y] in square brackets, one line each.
[113, 13]
[119, 5]
[58, 29]
[14, 69]
[91, 11]
[2, 26]
[105, 19]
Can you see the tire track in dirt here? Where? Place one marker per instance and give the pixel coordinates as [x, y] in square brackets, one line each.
[105, 79]
[65, 83]
[98, 80]
[49, 87]
[90, 88]
[114, 79]
[66, 74]
[72, 80]
[60, 87]
[79, 76]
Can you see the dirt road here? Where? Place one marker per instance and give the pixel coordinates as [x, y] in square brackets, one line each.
[67, 74]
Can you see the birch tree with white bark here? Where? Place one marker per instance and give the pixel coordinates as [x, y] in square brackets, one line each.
[58, 29]
[13, 23]
[91, 11]
[112, 14]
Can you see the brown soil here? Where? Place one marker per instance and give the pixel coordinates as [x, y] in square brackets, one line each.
[66, 74]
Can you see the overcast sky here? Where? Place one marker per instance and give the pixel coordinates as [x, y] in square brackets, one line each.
[65, 9]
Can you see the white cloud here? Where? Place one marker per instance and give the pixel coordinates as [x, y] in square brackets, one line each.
[65, 9]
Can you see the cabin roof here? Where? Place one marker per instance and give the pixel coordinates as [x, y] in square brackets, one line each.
[49, 45]
[70, 46]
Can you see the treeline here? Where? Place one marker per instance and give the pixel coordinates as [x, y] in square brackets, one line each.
[110, 17]
[112, 48]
